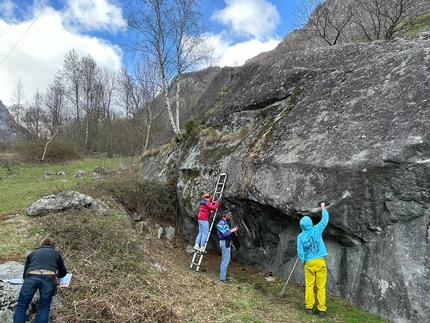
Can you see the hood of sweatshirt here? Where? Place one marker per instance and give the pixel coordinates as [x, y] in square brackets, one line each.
[306, 223]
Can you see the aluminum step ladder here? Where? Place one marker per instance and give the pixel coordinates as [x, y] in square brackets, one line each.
[219, 188]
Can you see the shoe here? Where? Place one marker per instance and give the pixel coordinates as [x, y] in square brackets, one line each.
[309, 311]
[226, 281]
[321, 314]
[202, 249]
[196, 246]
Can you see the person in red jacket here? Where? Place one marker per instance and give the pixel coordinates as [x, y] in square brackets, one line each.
[206, 207]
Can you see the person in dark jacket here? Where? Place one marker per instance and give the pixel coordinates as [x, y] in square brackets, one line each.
[205, 209]
[42, 266]
[311, 252]
[224, 235]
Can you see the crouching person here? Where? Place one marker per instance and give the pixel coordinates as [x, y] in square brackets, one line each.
[42, 266]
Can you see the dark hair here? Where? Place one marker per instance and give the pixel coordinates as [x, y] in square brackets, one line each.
[226, 214]
[48, 242]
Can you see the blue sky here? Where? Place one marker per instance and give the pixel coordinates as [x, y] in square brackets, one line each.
[35, 35]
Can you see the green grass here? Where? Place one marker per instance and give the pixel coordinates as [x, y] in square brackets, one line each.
[22, 184]
[17, 238]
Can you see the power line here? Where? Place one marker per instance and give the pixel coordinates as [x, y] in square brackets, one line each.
[10, 17]
[25, 32]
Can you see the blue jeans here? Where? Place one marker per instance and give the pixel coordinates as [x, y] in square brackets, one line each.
[225, 259]
[32, 283]
[203, 232]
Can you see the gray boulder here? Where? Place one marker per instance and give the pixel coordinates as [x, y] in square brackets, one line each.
[348, 124]
[60, 202]
[9, 292]
[65, 201]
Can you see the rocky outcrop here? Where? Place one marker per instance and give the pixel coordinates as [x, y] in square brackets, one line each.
[12, 271]
[349, 124]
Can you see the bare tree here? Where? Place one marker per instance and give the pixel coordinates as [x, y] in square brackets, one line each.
[138, 93]
[326, 20]
[129, 95]
[54, 100]
[87, 82]
[385, 19]
[103, 93]
[18, 97]
[339, 21]
[35, 118]
[108, 80]
[71, 75]
[146, 74]
[168, 33]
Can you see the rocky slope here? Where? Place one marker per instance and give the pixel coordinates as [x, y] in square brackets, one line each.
[8, 126]
[349, 124]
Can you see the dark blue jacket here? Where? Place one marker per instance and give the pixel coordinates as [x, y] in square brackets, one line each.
[47, 258]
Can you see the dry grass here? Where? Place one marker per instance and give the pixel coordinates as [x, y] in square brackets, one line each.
[122, 276]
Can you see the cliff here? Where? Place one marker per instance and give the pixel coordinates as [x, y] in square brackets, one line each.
[348, 124]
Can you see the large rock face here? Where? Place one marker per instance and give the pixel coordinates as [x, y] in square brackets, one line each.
[349, 124]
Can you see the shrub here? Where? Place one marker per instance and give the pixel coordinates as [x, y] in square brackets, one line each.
[151, 198]
[57, 151]
[111, 280]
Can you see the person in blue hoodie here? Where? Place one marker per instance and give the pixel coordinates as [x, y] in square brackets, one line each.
[311, 252]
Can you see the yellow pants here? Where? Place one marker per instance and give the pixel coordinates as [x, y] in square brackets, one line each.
[315, 274]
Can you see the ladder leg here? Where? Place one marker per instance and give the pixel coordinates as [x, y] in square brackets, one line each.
[192, 260]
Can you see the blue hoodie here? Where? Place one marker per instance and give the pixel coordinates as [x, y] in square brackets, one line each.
[310, 244]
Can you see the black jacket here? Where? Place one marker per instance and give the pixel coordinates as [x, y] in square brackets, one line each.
[47, 258]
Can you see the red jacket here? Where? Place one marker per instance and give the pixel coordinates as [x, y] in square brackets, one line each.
[206, 207]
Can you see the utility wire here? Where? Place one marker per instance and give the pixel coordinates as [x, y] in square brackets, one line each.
[25, 32]
[10, 17]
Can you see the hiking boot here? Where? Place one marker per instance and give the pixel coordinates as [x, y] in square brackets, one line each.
[196, 246]
[321, 314]
[309, 311]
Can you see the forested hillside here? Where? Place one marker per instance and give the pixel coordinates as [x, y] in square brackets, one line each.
[125, 112]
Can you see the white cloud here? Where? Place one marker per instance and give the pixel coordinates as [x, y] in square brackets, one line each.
[251, 18]
[253, 22]
[236, 54]
[40, 53]
[6, 9]
[96, 15]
